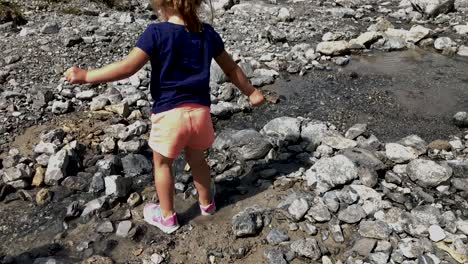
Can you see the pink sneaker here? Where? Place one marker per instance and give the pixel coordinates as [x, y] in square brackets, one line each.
[211, 208]
[153, 216]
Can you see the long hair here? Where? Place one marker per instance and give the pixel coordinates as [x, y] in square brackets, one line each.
[188, 9]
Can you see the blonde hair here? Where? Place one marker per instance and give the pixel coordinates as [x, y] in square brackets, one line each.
[188, 9]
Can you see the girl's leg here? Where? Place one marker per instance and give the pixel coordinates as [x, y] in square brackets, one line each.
[200, 173]
[164, 183]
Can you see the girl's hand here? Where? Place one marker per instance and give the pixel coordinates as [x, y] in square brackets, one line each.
[75, 75]
[256, 98]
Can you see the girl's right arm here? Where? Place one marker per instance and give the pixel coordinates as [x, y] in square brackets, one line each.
[125, 68]
[238, 78]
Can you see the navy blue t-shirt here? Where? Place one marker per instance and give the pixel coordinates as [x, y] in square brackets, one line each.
[180, 63]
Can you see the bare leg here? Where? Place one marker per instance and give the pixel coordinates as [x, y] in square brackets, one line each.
[164, 183]
[200, 173]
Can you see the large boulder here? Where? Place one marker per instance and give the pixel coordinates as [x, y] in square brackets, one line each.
[427, 173]
[328, 173]
[283, 128]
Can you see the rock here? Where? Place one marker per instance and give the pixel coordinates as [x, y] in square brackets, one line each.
[416, 143]
[43, 197]
[98, 260]
[99, 103]
[136, 164]
[339, 142]
[461, 119]
[39, 176]
[331, 201]
[436, 233]
[123, 229]
[417, 33]
[105, 227]
[382, 25]
[308, 248]
[121, 109]
[374, 229]
[319, 211]
[75, 183]
[224, 109]
[363, 158]
[283, 128]
[432, 8]
[216, 74]
[364, 246]
[426, 215]
[97, 183]
[284, 14]
[328, 173]
[134, 200]
[108, 145]
[10, 59]
[61, 107]
[94, 205]
[355, 131]
[411, 248]
[298, 209]
[274, 256]
[427, 173]
[14, 174]
[379, 257]
[313, 133]
[86, 95]
[56, 169]
[156, 258]
[462, 226]
[117, 185]
[443, 43]
[439, 144]
[55, 136]
[335, 230]
[333, 48]
[249, 143]
[109, 165]
[275, 35]
[341, 12]
[366, 39]
[368, 177]
[463, 51]
[461, 29]
[131, 146]
[352, 214]
[398, 153]
[275, 237]
[47, 148]
[247, 223]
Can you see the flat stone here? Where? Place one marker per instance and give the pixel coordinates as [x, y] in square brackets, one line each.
[364, 246]
[123, 229]
[374, 229]
[352, 214]
[275, 237]
[436, 233]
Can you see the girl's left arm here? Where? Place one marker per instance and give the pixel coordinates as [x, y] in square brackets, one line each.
[125, 68]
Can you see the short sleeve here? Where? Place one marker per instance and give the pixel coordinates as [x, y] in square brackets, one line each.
[148, 41]
[218, 43]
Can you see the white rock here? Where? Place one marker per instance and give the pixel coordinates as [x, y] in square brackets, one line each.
[436, 233]
[398, 153]
[444, 43]
[461, 29]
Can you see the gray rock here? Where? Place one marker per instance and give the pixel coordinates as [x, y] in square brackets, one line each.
[249, 143]
[364, 246]
[10, 59]
[108, 145]
[443, 43]
[355, 131]
[105, 227]
[97, 183]
[275, 35]
[298, 209]
[427, 173]
[94, 205]
[396, 218]
[59, 107]
[374, 229]
[50, 28]
[462, 51]
[411, 248]
[75, 183]
[131, 146]
[259, 81]
[331, 201]
[47, 148]
[335, 230]
[313, 132]
[136, 164]
[138, 128]
[352, 214]
[284, 14]
[339, 142]
[224, 109]
[109, 165]
[333, 47]
[275, 237]
[274, 256]
[117, 185]
[283, 128]
[368, 177]
[379, 258]
[99, 103]
[398, 153]
[55, 136]
[308, 248]
[328, 173]
[366, 39]
[383, 246]
[461, 119]
[123, 229]
[319, 211]
[248, 222]
[56, 168]
[14, 174]
[86, 95]
[436, 233]
[432, 8]
[426, 215]
[416, 143]
[216, 73]
[341, 12]
[417, 33]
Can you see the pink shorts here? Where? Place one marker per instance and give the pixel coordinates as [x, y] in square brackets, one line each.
[188, 125]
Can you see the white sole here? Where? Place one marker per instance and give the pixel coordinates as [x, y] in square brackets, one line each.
[167, 230]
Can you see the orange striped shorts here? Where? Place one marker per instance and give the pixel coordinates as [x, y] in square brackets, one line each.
[186, 126]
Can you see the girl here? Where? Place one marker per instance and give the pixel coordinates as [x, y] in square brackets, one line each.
[180, 50]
